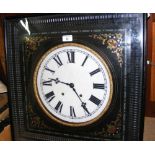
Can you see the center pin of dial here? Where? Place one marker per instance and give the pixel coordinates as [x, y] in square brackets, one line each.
[71, 85]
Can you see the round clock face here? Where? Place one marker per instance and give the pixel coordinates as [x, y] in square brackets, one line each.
[73, 84]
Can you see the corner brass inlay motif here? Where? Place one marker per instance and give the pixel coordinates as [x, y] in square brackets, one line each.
[111, 129]
[33, 42]
[35, 120]
[113, 42]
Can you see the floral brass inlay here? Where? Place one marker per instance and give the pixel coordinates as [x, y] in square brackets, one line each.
[33, 42]
[113, 42]
[36, 121]
[111, 129]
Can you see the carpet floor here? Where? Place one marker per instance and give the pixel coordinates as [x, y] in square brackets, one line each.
[149, 129]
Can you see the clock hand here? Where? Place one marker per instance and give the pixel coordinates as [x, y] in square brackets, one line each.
[68, 84]
[58, 81]
[83, 105]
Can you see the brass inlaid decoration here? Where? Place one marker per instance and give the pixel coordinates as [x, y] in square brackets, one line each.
[113, 41]
[33, 42]
[112, 128]
[35, 120]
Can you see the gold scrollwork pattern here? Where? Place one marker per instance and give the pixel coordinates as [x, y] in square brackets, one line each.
[33, 42]
[113, 41]
[35, 120]
[111, 129]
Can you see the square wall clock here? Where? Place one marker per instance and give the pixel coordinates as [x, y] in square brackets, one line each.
[76, 76]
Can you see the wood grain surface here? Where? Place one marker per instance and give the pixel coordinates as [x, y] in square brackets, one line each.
[2, 49]
[5, 135]
[152, 94]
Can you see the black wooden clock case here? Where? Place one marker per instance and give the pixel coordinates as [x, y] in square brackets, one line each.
[118, 38]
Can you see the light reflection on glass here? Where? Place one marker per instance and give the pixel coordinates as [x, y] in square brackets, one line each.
[25, 25]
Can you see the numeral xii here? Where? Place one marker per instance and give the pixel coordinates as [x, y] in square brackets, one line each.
[71, 57]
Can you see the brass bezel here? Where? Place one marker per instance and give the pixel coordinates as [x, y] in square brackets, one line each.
[45, 110]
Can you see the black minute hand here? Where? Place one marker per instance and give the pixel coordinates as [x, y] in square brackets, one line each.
[83, 105]
[71, 85]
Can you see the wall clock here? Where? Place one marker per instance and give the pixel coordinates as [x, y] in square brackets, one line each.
[73, 84]
[76, 76]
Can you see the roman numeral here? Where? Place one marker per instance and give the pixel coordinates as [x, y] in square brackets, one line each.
[98, 86]
[57, 60]
[71, 57]
[95, 100]
[94, 72]
[84, 60]
[72, 112]
[50, 96]
[59, 106]
[48, 69]
[47, 83]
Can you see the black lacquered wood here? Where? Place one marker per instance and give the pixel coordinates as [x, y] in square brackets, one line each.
[118, 38]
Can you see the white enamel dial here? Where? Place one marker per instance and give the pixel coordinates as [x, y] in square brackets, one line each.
[73, 84]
